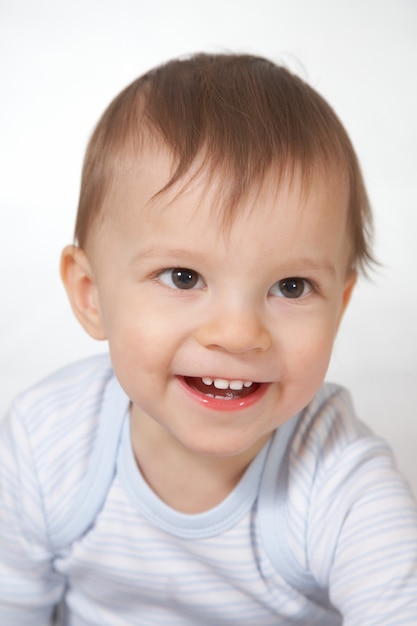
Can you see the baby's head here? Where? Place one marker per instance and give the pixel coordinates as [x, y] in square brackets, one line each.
[233, 118]
[222, 221]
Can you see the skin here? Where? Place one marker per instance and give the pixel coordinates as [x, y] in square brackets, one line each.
[231, 316]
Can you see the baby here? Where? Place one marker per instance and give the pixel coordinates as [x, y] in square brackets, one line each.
[203, 473]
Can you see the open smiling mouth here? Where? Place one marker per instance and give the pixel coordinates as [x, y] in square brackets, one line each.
[222, 389]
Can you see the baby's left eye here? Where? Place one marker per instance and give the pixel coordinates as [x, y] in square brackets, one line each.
[291, 288]
[181, 278]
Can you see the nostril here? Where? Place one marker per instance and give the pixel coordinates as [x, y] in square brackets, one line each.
[235, 326]
[236, 338]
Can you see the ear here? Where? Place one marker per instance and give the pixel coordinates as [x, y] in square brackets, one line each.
[350, 283]
[78, 279]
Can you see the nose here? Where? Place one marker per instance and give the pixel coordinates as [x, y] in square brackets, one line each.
[236, 330]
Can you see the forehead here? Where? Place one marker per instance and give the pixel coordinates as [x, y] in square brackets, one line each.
[287, 209]
[143, 186]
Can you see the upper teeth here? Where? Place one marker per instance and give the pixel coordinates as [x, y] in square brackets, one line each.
[222, 383]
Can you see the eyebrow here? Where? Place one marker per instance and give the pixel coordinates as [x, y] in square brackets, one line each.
[318, 265]
[167, 253]
[295, 266]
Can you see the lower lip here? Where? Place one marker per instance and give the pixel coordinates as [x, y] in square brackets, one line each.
[234, 404]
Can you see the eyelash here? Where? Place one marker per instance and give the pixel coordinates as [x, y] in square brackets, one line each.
[181, 274]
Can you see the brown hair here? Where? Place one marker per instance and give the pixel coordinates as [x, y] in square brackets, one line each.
[243, 114]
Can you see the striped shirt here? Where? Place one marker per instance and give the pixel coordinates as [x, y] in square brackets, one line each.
[321, 529]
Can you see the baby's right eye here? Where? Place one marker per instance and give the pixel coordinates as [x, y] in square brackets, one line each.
[181, 278]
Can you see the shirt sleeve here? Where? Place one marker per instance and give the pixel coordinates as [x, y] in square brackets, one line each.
[29, 587]
[367, 558]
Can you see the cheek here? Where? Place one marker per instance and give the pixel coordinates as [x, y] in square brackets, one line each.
[308, 346]
[310, 361]
[142, 338]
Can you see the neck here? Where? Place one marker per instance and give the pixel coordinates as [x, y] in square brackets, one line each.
[186, 481]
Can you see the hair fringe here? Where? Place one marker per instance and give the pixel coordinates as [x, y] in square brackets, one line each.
[240, 115]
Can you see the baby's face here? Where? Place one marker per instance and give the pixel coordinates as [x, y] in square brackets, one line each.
[220, 337]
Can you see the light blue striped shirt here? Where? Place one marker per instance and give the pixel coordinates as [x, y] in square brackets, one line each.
[321, 529]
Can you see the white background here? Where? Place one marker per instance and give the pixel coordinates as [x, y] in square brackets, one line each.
[60, 64]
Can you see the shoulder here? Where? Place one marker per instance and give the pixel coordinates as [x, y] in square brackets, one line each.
[310, 446]
[66, 388]
[68, 395]
[343, 484]
[308, 462]
[360, 515]
[63, 408]
[327, 428]
[48, 438]
[65, 403]
[333, 449]
[336, 492]
[332, 452]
